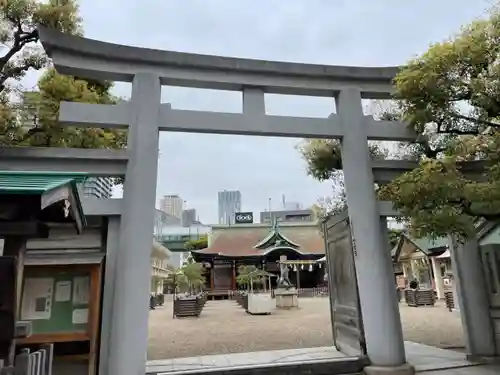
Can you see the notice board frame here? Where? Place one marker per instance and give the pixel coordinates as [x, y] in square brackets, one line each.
[92, 331]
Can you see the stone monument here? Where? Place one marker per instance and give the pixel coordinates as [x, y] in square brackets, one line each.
[286, 294]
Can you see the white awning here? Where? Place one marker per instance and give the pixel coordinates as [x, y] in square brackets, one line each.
[445, 255]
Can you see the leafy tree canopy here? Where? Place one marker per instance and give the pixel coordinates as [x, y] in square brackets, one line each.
[18, 20]
[197, 244]
[34, 120]
[251, 273]
[450, 95]
[30, 117]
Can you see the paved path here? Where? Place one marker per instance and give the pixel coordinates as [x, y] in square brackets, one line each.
[225, 328]
[426, 359]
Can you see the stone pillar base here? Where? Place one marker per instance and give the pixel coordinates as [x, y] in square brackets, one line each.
[286, 298]
[405, 369]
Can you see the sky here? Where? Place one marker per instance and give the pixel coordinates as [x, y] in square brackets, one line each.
[337, 32]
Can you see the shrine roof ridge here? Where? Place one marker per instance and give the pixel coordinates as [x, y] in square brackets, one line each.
[265, 225]
[108, 53]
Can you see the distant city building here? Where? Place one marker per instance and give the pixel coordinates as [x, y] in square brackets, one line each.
[291, 206]
[229, 204]
[175, 238]
[98, 187]
[392, 223]
[172, 204]
[163, 220]
[188, 217]
[287, 215]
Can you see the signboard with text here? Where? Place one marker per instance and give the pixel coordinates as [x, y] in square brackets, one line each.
[243, 218]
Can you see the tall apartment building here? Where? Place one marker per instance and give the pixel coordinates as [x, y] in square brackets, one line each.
[98, 187]
[229, 204]
[172, 204]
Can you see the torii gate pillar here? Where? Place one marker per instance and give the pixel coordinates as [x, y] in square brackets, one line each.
[129, 328]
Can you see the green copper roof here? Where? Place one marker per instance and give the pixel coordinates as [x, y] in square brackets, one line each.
[427, 245]
[12, 182]
[275, 238]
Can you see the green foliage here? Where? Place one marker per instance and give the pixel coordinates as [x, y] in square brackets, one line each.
[323, 157]
[197, 244]
[18, 20]
[194, 274]
[394, 235]
[190, 276]
[450, 96]
[34, 121]
[251, 273]
[30, 118]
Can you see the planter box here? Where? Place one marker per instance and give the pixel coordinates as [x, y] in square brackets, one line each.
[419, 297]
[260, 304]
[189, 306]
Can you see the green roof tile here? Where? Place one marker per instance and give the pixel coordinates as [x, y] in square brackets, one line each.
[13, 182]
[428, 245]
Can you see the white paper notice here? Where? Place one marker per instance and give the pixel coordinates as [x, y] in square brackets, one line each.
[37, 298]
[80, 316]
[81, 290]
[63, 291]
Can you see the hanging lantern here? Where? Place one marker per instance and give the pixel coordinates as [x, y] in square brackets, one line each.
[310, 268]
[319, 265]
[301, 266]
[295, 267]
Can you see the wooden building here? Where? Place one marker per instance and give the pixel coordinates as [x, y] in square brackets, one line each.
[261, 245]
[425, 260]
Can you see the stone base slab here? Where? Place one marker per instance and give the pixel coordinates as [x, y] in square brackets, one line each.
[405, 369]
[286, 298]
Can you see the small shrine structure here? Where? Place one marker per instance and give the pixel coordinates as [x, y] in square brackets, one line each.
[230, 247]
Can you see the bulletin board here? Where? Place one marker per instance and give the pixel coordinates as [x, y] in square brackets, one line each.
[56, 301]
[61, 302]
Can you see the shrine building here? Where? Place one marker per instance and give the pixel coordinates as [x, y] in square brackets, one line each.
[230, 246]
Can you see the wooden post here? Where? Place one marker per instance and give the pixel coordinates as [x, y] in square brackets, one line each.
[298, 278]
[16, 246]
[233, 276]
[212, 270]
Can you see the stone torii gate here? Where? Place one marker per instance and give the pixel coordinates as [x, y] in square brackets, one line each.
[145, 116]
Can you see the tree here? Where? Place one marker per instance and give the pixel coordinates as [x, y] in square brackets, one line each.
[323, 157]
[248, 275]
[324, 162]
[394, 235]
[189, 277]
[36, 121]
[198, 244]
[30, 118]
[194, 275]
[450, 96]
[18, 33]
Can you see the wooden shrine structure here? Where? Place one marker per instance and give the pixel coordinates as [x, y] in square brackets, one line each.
[230, 247]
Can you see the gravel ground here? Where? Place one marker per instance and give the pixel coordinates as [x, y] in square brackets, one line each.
[224, 327]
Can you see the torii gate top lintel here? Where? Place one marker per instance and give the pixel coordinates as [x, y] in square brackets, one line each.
[101, 60]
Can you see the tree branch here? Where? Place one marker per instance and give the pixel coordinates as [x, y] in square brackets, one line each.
[466, 207]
